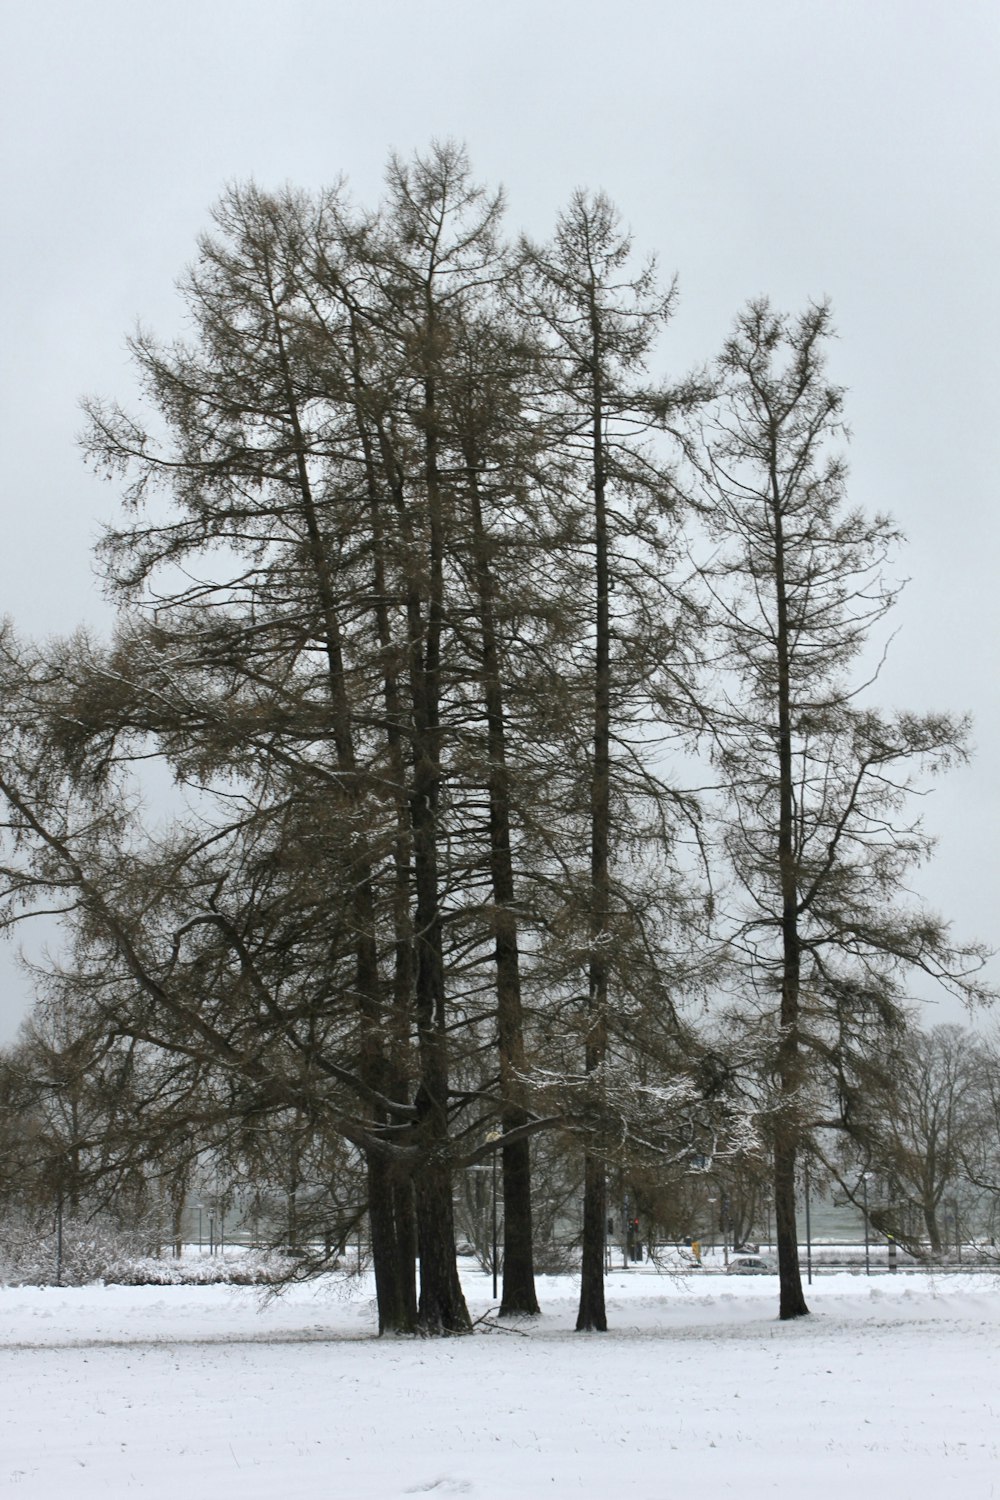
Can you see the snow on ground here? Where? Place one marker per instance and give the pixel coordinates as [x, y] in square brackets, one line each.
[187, 1392]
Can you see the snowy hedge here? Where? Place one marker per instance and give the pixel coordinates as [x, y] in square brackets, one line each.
[95, 1251]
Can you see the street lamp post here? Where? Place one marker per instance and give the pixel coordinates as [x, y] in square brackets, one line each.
[864, 1192]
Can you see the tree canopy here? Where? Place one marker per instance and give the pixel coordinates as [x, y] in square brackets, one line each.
[407, 611]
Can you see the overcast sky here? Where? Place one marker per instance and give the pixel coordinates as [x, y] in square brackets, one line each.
[798, 148]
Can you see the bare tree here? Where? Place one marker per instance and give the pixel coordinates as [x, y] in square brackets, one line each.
[323, 436]
[603, 317]
[921, 1133]
[814, 817]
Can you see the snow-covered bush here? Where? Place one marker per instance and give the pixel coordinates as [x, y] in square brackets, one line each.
[37, 1254]
[96, 1249]
[250, 1269]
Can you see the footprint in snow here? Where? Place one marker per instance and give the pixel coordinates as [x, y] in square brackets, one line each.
[444, 1486]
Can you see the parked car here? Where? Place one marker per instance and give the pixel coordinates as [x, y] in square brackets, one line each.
[750, 1265]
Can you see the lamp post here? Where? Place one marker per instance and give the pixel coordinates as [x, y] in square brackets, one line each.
[864, 1193]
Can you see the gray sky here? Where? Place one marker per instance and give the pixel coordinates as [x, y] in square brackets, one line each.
[797, 148]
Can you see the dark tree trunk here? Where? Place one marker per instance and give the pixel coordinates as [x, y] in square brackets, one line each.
[791, 1299]
[392, 1250]
[792, 1303]
[592, 1316]
[405, 1213]
[441, 1307]
[376, 445]
[592, 1312]
[519, 1297]
[392, 1277]
[178, 1225]
[391, 1211]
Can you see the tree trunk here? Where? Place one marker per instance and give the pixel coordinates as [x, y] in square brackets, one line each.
[519, 1297]
[392, 1250]
[791, 1299]
[441, 1308]
[178, 1223]
[931, 1225]
[592, 1315]
[792, 1303]
[441, 1305]
[393, 1277]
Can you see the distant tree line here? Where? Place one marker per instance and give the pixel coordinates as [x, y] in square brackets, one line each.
[526, 800]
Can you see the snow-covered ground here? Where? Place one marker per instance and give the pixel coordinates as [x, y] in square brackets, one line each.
[891, 1388]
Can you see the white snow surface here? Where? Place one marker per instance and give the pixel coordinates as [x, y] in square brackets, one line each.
[185, 1392]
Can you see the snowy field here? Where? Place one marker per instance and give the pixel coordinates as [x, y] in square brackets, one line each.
[891, 1389]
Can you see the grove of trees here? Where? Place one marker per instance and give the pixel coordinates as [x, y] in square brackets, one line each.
[523, 790]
